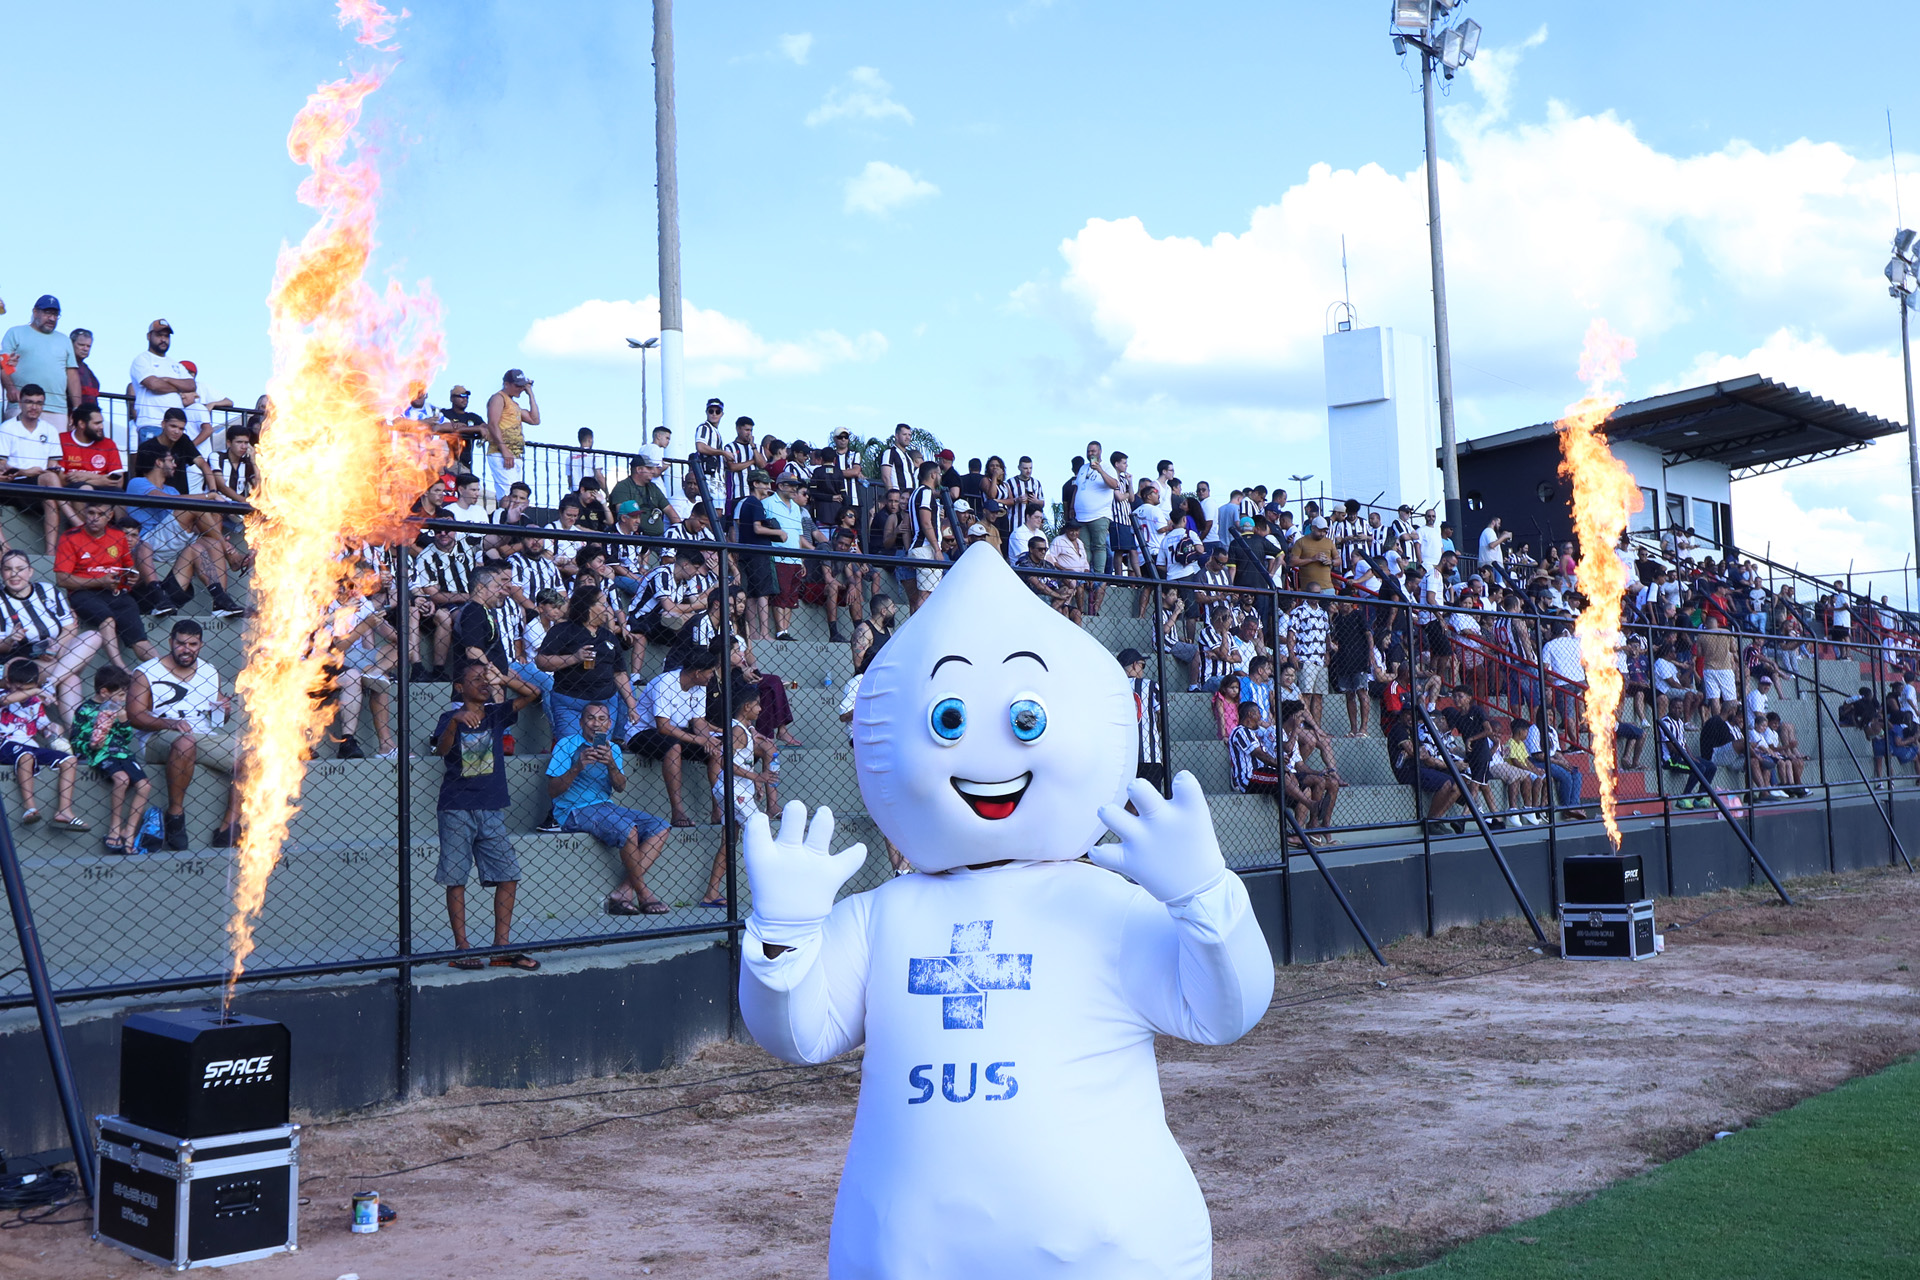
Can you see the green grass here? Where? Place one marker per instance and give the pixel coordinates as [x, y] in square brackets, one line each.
[1827, 1191]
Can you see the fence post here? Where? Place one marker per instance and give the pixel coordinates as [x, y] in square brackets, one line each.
[1280, 810]
[1659, 751]
[1160, 675]
[1413, 763]
[1820, 756]
[403, 800]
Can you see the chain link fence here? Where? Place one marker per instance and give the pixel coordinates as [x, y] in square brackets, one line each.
[1341, 711]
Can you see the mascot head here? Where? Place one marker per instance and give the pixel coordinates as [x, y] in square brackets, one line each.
[991, 727]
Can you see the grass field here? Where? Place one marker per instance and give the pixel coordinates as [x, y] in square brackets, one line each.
[1829, 1189]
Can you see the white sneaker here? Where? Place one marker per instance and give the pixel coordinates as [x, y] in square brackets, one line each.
[1777, 795]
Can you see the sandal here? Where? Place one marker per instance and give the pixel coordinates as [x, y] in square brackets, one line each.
[714, 902]
[29, 816]
[114, 844]
[621, 907]
[467, 962]
[71, 824]
[514, 960]
[654, 907]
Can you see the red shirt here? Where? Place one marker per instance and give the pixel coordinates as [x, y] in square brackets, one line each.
[102, 457]
[85, 556]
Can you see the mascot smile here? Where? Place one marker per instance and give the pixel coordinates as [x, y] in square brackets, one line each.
[1010, 1121]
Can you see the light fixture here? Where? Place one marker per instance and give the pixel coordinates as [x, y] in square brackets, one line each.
[1445, 6]
[1903, 243]
[1412, 15]
[648, 345]
[1450, 49]
[1469, 40]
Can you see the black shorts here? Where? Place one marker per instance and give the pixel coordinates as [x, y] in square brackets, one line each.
[124, 766]
[1155, 773]
[95, 607]
[756, 569]
[651, 744]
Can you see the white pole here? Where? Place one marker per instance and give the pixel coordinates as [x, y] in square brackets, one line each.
[1442, 344]
[671, 349]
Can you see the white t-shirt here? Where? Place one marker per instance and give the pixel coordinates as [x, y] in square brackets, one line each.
[149, 408]
[1491, 549]
[1092, 497]
[1562, 654]
[29, 448]
[1428, 536]
[193, 699]
[663, 698]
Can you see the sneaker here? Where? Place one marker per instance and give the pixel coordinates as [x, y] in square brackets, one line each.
[549, 827]
[1777, 795]
[222, 837]
[833, 634]
[176, 831]
[350, 749]
[224, 605]
[420, 673]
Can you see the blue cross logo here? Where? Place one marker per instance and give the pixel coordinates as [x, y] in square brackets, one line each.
[966, 973]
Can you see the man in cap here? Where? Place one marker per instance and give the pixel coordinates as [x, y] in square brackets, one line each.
[160, 382]
[949, 476]
[38, 353]
[709, 438]
[504, 429]
[461, 426]
[642, 488]
[1312, 558]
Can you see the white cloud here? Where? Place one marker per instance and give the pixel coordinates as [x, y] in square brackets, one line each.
[880, 188]
[796, 48]
[720, 348]
[1548, 225]
[863, 96]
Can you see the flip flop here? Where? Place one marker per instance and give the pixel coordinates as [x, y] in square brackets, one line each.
[714, 902]
[71, 824]
[29, 817]
[467, 962]
[514, 961]
[654, 907]
[622, 907]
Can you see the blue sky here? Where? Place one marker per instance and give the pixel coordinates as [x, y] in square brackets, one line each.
[1017, 225]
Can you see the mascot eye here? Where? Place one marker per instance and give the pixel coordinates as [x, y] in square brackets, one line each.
[1029, 719]
[948, 720]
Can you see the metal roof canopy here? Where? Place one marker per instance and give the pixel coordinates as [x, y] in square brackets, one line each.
[1751, 425]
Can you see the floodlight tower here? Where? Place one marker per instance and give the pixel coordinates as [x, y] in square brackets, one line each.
[1428, 27]
[1903, 285]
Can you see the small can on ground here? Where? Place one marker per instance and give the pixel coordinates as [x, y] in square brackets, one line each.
[366, 1212]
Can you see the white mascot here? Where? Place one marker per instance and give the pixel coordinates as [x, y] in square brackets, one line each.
[1010, 1122]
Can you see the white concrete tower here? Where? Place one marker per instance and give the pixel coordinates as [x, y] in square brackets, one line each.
[1381, 430]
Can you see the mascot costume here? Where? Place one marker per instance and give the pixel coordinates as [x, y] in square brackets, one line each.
[1010, 1121]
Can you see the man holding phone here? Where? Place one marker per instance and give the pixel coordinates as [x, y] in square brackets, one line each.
[582, 775]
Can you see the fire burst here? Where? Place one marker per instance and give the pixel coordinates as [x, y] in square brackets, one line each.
[339, 470]
[1604, 494]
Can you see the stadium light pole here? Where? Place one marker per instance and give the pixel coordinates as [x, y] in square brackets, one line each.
[1903, 285]
[643, 348]
[1421, 25]
[665, 145]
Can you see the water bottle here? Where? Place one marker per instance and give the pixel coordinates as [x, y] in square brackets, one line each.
[773, 764]
[826, 681]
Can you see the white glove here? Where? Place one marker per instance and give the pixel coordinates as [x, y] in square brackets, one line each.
[1168, 848]
[794, 879]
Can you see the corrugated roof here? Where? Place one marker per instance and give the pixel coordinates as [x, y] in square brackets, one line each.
[1751, 424]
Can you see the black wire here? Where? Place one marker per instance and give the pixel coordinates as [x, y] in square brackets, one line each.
[36, 1194]
[568, 1133]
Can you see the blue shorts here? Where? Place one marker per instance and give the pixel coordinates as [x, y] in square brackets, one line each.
[44, 757]
[475, 838]
[609, 823]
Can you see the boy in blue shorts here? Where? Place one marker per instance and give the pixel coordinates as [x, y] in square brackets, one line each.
[473, 796]
[582, 775]
[22, 720]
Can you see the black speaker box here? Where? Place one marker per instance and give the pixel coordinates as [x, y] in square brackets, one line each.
[1614, 879]
[196, 1072]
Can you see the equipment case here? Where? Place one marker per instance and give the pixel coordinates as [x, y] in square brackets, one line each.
[1607, 931]
[197, 1202]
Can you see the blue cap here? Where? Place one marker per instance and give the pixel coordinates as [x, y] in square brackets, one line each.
[47, 303]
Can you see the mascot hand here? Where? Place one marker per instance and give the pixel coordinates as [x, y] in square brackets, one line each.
[1167, 847]
[793, 878]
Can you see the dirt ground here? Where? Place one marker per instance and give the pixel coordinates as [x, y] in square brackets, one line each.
[1373, 1118]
